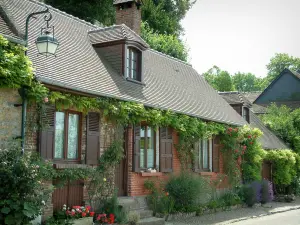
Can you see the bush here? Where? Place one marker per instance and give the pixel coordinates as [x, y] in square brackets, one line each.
[22, 193]
[133, 218]
[187, 190]
[266, 191]
[231, 198]
[249, 195]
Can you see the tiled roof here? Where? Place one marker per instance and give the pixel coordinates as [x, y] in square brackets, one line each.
[251, 96]
[4, 28]
[235, 97]
[268, 140]
[169, 83]
[115, 33]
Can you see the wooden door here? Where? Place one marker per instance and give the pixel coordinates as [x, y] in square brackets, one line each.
[267, 171]
[70, 194]
[120, 183]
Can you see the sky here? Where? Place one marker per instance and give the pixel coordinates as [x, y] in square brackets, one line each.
[241, 35]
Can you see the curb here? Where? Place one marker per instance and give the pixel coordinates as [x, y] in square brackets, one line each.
[262, 215]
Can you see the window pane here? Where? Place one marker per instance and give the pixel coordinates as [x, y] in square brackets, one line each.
[150, 149]
[205, 153]
[59, 135]
[133, 73]
[73, 133]
[142, 146]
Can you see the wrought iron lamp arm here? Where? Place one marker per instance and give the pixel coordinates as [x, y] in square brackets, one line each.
[28, 19]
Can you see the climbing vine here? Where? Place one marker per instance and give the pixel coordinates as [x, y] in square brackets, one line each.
[16, 71]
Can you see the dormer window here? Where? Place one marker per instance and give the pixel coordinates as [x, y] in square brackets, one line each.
[133, 64]
[246, 114]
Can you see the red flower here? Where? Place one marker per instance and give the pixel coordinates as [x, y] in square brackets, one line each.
[230, 129]
[83, 214]
[88, 207]
[76, 207]
[249, 136]
[251, 143]
[236, 151]
[244, 147]
[72, 213]
[167, 193]
[92, 213]
[111, 218]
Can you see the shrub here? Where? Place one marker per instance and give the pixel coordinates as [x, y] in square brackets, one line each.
[249, 194]
[22, 194]
[296, 186]
[187, 189]
[266, 191]
[133, 218]
[231, 198]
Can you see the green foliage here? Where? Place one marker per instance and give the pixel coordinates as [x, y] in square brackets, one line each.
[284, 166]
[280, 62]
[22, 194]
[231, 198]
[169, 44]
[102, 11]
[249, 195]
[284, 123]
[245, 82]
[133, 218]
[159, 200]
[187, 190]
[242, 148]
[218, 79]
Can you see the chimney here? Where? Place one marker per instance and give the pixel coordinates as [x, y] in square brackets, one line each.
[128, 12]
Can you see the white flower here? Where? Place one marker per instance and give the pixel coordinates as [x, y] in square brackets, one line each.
[43, 202]
[77, 210]
[104, 179]
[73, 210]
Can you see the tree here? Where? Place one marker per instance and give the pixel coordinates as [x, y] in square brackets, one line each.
[245, 82]
[285, 123]
[279, 62]
[164, 16]
[168, 44]
[218, 79]
[92, 11]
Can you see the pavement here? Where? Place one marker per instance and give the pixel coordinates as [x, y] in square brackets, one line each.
[246, 215]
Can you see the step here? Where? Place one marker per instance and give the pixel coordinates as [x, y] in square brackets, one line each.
[133, 203]
[144, 213]
[151, 221]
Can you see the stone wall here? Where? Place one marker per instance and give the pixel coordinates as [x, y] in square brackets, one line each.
[10, 116]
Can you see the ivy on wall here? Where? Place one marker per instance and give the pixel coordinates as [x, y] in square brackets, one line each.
[16, 71]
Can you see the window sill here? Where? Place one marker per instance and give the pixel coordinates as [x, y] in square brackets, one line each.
[207, 173]
[135, 81]
[69, 166]
[148, 174]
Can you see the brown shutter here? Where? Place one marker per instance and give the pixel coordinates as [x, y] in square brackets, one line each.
[215, 154]
[136, 148]
[165, 149]
[196, 157]
[46, 141]
[92, 139]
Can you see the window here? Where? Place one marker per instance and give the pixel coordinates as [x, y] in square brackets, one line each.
[66, 137]
[133, 61]
[246, 114]
[147, 148]
[204, 155]
[152, 149]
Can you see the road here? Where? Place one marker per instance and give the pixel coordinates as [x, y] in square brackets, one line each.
[285, 218]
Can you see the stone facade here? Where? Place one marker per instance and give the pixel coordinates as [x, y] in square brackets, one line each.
[10, 116]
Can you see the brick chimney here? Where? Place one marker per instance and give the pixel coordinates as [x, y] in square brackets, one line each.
[129, 13]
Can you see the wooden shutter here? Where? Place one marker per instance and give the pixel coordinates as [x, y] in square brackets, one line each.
[215, 154]
[46, 141]
[136, 148]
[196, 157]
[92, 138]
[165, 149]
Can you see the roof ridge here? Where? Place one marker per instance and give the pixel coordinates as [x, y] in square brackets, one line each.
[63, 13]
[171, 57]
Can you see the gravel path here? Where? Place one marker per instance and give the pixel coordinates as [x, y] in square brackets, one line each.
[233, 216]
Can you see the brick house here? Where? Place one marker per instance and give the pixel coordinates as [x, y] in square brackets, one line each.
[243, 105]
[112, 62]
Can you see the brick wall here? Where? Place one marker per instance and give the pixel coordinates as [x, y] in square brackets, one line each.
[130, 16]
[10, 116]
[136, 180]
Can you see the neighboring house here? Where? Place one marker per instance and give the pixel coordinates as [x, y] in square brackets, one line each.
[284, 90]
[240, 102]
[112, 62]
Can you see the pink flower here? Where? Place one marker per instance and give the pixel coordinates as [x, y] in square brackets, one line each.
[236, 151]
[83, 214]
[244, 147]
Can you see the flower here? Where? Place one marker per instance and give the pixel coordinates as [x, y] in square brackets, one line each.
[83, 214]
[249, 136]
[104, 179]
[244, 147]
[37, 166]
[236, 151]
[251, 143]
[43, 202]
[46, 99]
[92, 214]
[88, 207]
[167, 193]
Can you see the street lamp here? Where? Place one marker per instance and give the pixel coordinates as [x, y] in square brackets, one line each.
[47, 45]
